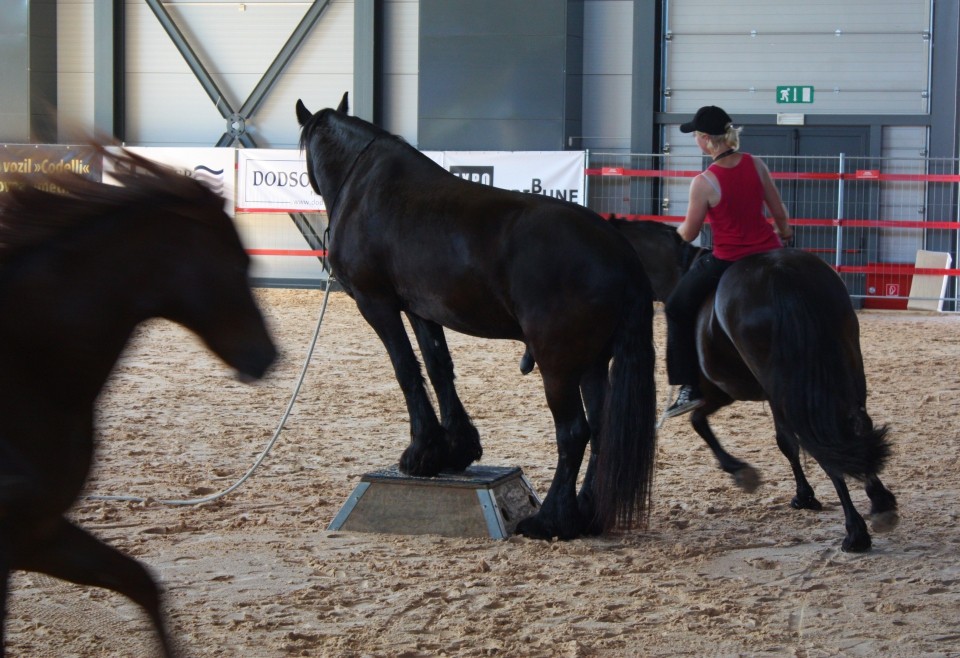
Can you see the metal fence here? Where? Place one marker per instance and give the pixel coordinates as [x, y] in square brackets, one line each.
[889, 226]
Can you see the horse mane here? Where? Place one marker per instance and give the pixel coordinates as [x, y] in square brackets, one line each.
[35, 211]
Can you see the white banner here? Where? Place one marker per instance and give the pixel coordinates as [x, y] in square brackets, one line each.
[274, 180]
[552, 173]
[212, 166]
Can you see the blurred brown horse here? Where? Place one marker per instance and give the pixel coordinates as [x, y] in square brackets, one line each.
[79, 269]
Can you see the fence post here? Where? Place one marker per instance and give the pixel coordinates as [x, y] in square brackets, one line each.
[586, 179]
[839, 248]
[956, 247]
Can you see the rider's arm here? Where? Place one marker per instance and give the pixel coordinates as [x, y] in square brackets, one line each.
[771, 197]
[700, 190]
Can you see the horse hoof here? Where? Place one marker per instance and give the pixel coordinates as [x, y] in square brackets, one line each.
[532, 528]
[419, 463]
[806, 502]
[884, 521]
[747, 478]
[860, 544]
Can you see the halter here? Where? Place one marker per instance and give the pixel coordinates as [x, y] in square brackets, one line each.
[336, 197]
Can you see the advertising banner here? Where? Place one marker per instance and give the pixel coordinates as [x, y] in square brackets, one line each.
[212, 166]
[32, 163]
[552, 173]
[274, 180]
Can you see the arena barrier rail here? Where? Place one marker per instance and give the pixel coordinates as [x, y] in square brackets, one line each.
[889, 226]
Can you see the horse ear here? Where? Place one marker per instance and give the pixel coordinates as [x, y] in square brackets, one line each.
[344, 106]
[302, 112]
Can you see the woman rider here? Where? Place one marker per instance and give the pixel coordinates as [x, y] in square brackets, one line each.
[732, 193]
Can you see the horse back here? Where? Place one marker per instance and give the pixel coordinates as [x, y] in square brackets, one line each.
[474, 258]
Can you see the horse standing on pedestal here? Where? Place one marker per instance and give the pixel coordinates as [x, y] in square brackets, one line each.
[408, 237]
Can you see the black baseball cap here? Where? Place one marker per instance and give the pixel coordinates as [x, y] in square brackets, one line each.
[710, 120]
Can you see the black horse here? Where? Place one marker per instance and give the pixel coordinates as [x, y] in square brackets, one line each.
[781, 328]
[407, 237]
[79, 269]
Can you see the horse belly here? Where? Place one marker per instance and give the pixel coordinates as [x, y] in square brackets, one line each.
[475, 315]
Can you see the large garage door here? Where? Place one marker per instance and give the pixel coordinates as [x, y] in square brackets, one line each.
[860, 56]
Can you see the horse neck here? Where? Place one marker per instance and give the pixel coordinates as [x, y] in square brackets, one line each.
[337, 164]
[661, 251]
[85, 293]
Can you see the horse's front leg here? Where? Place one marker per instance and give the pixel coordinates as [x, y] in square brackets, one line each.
[463, 438]
[72, 554]
[805, 498]
[744, 475]
[559, 516]
[427, 453]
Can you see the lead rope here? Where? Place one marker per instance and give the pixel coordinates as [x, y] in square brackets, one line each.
[276, 434]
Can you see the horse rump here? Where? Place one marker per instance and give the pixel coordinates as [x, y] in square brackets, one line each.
[814, 374]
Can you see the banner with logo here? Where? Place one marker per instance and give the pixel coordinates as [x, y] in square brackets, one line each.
[274, 180]
[212, 166]
[32, 163]
[551, 173]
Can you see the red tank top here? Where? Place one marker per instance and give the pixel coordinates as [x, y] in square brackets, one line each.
[739, 225]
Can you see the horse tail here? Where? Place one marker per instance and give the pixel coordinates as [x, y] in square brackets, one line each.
[817, 386]
[628, 439]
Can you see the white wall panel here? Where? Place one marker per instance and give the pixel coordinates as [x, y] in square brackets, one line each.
[401, 67]
[607, 75]
[75, 101]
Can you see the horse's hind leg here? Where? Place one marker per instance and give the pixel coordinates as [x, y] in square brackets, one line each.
[805, 498]
[744, 475]
[559, 516]
[463, 438]
[858, 538]
[74, 555]
[427, 453]
[883, 506]
[593, 388]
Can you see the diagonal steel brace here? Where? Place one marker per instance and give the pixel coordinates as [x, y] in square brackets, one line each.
[236, 120]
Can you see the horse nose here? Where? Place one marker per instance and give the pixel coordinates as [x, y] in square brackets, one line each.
[255, 363]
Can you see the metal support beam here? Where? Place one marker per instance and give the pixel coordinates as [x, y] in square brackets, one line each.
[176, 36]
[366, 58]
[645, 94]
[109, 68]
[236, 120]
[279, 63]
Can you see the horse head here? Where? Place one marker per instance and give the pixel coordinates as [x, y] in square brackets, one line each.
[332, 142]
[664, 254]
[203, 282]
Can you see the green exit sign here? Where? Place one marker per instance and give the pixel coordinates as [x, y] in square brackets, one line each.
[795, 94]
